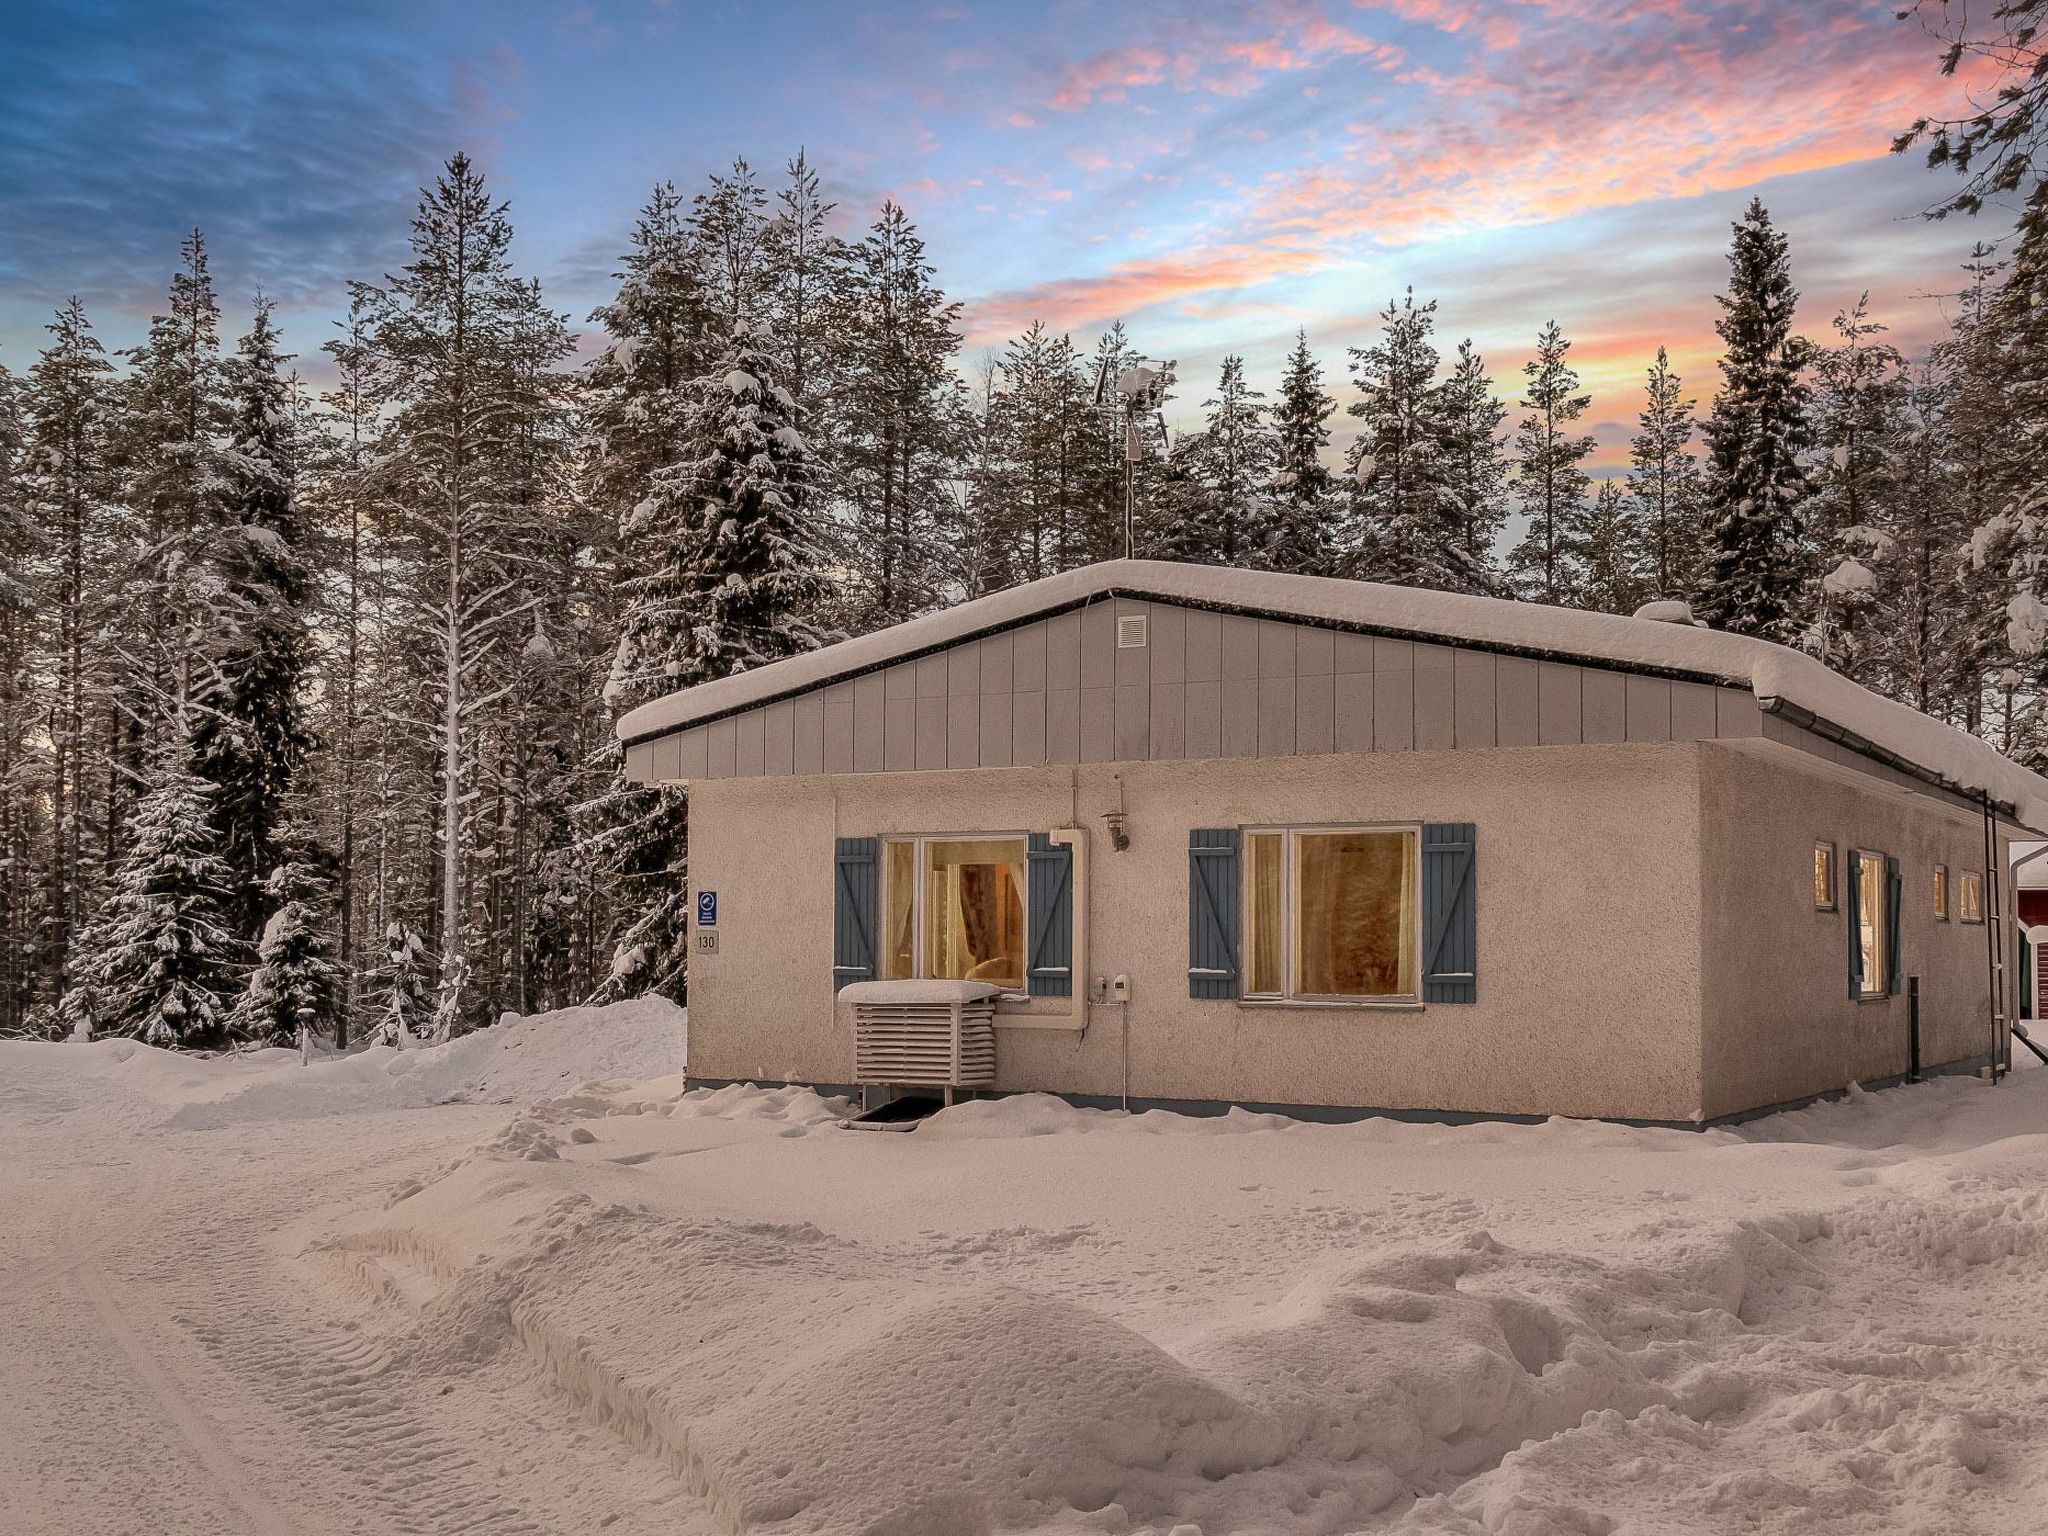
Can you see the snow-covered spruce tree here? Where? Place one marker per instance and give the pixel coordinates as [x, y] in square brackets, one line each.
[1410, 524]
[174, 427]
[1232, 459]
[295, 980]
[1858, 422]
[343, 491]
[1303, 534]
[898, 426]
[1550, 476]
[1612, 579]
[400, 990]
[806, 284]
[984, 536]
[730, 237]
[23, 709]
[457, 335]
[158, 962]
[1663, 477]
[1760, 555]
[1475, 463]
[73, 491]
[731, 577]
[251, 739]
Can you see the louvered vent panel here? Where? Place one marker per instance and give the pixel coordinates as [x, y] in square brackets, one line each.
[927, 1044]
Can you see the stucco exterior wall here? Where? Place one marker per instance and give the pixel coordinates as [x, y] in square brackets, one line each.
[1778, 1019]
[1589, 922]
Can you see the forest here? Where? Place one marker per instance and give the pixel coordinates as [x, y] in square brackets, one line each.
[306, 695]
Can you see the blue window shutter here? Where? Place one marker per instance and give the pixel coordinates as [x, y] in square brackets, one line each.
[1049, 868]
[1854, 891]
[1893, 888]
[855, 874]
[1450, 912]
[1212, 912]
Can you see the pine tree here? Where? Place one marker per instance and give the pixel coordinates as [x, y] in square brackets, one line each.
[807, 281]
[158, 961]
[1232, 459]
[1550, 475]
[897, 428]
[1858, 419]
[295, 981]
[1303, 538]
[1757, 437]
[72, 488]
[729, 230]
[1613, 580]
[1411, 522]
[1663, 478]
[401, 988]
[23, 713]
[252, 737]
[1475, 465]
[464, 350]
[176, 425]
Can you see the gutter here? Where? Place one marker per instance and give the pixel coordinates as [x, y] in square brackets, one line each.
[1806, 719]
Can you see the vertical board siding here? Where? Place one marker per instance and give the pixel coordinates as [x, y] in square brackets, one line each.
[839, 728]
[1314, 713]
[870, 722]
[1276, 711]
[1473, 676]
[899, 707]
[1649, 708]
[1027, 728]
[667, 759]
[779, 738]
[1558, 704]
[1351, 710]
[750, 748]
[1435, 708]
[1603, 705]
[1203, 685]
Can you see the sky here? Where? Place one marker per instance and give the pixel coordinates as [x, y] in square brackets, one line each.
[1216, 175]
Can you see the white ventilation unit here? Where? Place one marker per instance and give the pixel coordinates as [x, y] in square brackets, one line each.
[924, 1034]
[1130, 632]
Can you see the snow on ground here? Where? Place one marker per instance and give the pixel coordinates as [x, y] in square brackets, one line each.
[247, 1295]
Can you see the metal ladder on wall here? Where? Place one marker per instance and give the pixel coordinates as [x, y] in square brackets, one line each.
[1996, 876]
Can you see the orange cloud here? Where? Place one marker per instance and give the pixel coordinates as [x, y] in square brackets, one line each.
[1129, 288]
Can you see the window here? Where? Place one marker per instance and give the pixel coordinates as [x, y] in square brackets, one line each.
[1941, 893]
[1824, 877]
[1867, 871]
[954, 909]
[1970, 896]
[1332, 912]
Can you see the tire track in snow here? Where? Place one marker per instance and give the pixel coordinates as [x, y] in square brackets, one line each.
[209, 1447]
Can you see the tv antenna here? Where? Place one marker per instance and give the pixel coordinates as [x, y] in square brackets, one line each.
[1137, 395]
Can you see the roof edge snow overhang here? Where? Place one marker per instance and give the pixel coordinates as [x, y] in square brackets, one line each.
[1611, 642]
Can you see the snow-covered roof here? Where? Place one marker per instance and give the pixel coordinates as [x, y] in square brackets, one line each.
[1777, 675]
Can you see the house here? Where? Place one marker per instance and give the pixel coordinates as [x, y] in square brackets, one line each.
[1208, 837]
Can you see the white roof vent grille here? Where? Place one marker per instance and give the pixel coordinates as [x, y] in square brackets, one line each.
[932, 1034]
[1130, 632]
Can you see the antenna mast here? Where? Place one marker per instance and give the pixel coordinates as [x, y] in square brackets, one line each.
[1138, 391]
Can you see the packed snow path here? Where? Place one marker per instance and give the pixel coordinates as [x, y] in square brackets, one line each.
[250, 1297]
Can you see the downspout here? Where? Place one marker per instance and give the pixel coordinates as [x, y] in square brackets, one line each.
[1994, 918]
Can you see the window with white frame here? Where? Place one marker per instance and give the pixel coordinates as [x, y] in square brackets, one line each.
[1332, 913]
[1824, 877]
[1970, 896]
[1868, 871]
[954, 907]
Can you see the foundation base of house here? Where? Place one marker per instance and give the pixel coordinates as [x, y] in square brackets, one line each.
[872, 1096]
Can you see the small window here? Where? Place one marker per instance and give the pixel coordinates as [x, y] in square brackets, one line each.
[1941, 893]
[1970, 896]
[1824, 876]
[954, 909]
[1332, 913]
[1868, 872]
